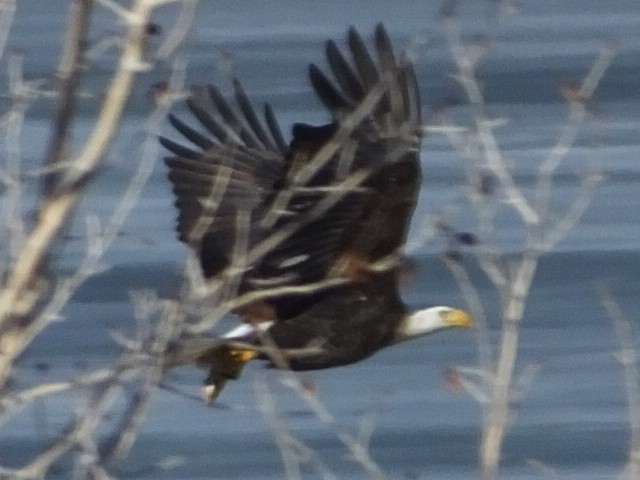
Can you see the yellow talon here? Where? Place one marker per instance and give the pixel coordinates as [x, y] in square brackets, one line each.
[226, 364]
[243, 355]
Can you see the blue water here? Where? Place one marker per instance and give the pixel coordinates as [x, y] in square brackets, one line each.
[573, 418]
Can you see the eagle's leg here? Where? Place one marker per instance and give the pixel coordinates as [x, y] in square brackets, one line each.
[226, 364]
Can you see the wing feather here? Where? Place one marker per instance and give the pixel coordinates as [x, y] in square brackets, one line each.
[327, 92]
[364, 63]
[237, 165]
[190, 134]
[231, 120]
[209, 122]
[250, 115]
[237, 162]
[345, 76]
[387, 141]
[274, 128]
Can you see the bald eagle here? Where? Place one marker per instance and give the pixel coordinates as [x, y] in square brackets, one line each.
[321, 220]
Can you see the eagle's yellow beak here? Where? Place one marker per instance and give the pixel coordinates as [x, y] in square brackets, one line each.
[459, 318]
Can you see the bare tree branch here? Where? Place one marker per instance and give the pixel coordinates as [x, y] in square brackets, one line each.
[627, 356]
[481, 153]
[68, 78]
[59, 207]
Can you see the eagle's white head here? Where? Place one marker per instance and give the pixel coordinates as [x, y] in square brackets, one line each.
[424, 322]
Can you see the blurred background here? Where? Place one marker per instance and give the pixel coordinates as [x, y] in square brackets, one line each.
[572, 418]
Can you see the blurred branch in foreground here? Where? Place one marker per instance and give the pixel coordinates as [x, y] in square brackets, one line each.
[493, 187]
[627, 357]
[21, 289]
[31, 300]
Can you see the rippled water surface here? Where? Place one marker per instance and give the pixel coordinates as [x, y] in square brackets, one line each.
[574, 416]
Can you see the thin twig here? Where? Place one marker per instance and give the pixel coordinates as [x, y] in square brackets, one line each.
[60, 206]
[293, 450]
[627, 356]
[69, 71]
[7, 13]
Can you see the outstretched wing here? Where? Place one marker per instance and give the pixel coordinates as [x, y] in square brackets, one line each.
[243, 204]
[235, 205]
[388, 141]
